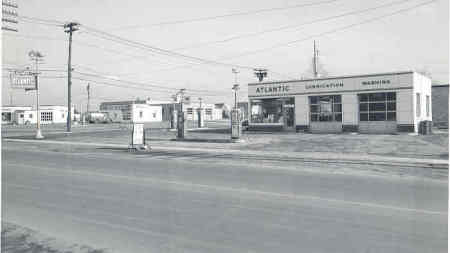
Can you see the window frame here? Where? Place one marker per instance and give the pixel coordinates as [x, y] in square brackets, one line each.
[319, 103]
[375, 107]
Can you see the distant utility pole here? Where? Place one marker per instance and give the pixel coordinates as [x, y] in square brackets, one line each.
[180, 122]
[70, 28]
[88, 88]
[9, 15]
[36, 57]
[315, 61]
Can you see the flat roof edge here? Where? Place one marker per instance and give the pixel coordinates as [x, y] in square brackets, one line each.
[336, 77]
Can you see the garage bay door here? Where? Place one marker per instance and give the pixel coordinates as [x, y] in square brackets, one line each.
[377, 113]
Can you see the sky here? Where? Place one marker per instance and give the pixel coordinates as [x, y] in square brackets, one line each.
[353, 37]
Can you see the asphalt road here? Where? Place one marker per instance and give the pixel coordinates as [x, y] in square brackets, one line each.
[127, 202]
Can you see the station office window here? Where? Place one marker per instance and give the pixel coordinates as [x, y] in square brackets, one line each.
[325, 108]
[141, 114]
[266, 111]
[377, 106]
[30, 116]
[189, 110]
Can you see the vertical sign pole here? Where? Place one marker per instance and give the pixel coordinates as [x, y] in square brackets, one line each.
[38, 112]
[69, 85]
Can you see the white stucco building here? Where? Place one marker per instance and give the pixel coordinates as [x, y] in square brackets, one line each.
[372, 103]
[138, 111]
[50, 114]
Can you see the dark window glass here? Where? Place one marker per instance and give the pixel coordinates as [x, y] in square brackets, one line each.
[323, 108]
[363, 117]
[337, 108]
[377, 97]
[363, 107]
[391, 96]
[338, 117]
[325, 99]
[377, 116]
[313, 100]
[391, 116]
[391, 106]
[363, 97]
[326, 117]
[337, 99]
[377, 107]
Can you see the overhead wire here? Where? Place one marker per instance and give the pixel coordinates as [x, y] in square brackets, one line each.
[284, 44]
[292, 26]
[157, 50]
[146, 85]
[244, 13]
[342, 28]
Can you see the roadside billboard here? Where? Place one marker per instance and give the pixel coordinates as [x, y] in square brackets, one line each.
[23, 80]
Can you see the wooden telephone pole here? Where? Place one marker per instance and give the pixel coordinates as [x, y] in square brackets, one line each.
[70, 28]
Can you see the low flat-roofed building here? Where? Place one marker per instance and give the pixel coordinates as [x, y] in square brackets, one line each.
[138, 111]
[9, 111]
[372, 103]
[50, 114]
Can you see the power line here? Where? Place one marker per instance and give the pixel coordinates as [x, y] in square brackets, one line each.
[244, 13]
[157, 50]
[135, 87]
[288, 27]
[42, 21]
[284, 44]
[146, 85]
[81, 43]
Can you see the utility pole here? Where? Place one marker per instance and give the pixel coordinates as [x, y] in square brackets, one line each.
[70, 28]
[89, 96]
[181, 118]
[200, 114]
[37, 57]
[315, 61]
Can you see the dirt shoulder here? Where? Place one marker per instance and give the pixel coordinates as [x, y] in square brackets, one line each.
[16, 238]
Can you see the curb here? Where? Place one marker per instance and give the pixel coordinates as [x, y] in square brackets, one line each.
[276, 156]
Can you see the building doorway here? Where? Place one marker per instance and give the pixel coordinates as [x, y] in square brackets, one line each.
[288, 106]
[325, 114]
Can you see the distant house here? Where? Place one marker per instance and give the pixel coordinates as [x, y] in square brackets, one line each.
[22, 115]
[224, 108]
[439, 94]
[209, 111]
[9, 111]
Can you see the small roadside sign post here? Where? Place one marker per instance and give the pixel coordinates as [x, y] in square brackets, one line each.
[138, 138]
[28, 80]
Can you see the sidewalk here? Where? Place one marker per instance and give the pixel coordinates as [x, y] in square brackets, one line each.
[323, 157]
